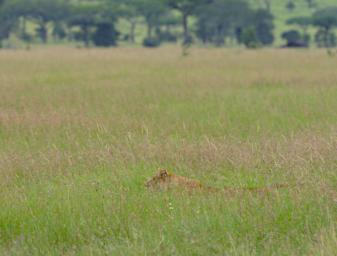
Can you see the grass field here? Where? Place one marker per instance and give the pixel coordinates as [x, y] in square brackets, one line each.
[82, 130]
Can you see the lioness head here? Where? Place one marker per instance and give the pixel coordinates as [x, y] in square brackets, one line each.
[158, 180]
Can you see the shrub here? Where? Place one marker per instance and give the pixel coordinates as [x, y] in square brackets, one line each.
[151, 42]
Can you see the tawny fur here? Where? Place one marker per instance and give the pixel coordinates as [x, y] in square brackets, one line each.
[165, 180]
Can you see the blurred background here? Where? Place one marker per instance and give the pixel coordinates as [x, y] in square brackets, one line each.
[151, 23]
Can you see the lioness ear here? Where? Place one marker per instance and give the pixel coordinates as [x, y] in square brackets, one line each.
[163, 173]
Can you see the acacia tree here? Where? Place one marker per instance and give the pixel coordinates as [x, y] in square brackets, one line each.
[129, 10]
[186, 8]
[43, 12]
[302, 23]
[222, 19]
[84, 17]
[10, 11]
[152, 11]
[326, 21]
[311, 3]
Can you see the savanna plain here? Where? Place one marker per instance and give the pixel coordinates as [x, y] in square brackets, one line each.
[82, 130]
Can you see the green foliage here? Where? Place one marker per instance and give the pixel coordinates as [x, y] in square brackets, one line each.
[216, 22]
[151, 42]
[294, 38]
[187, 8]
[291, 36]
[311, 3]
[249, 38]
[59, 31]
[220, 19]
[301, 21]
[325, 39]
[325, 20]
[105, 35]
[291, 6]
[263, 21]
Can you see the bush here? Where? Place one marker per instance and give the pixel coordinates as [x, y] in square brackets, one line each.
[105, 35]
[59, 31]
[325, 38]
[167, 36]
[295, 39]
[291, 35]
[151, 42]
[249, 38]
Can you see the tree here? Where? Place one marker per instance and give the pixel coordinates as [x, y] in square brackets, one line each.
[129, 10]
[9, 13]
[84, 17]
[248, 37]
[263, 22]
[164, 30]
[221, 19]
[290, 6]
[105, 34]
[151, 10]
[325, 20]
[294, 39]
[302, 23]
[265, 4]
[187, 8]
[311, 3]
[44, 11]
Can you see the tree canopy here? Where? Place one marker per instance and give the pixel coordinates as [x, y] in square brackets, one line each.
[215, 22]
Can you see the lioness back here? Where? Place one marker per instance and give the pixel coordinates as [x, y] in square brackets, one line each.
[164, 180]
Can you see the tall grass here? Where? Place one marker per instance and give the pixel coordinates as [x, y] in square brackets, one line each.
[81, 130]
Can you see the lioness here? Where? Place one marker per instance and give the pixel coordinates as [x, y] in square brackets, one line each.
[165, 180]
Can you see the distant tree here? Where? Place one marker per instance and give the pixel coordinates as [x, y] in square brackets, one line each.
[311, 3]
[167, 22]
[151, 42]
[302, 23]
[129, 10]
[187, 8]
[291, 6]
[264, 4]
[105, 35]
[152, 10]
[294, 39]
[325, 39]
[59, 31]
[85, 18]
[43, 12]
[9, 13]
[326, 21]
[264, 25]
[249, 38]
[221, 19]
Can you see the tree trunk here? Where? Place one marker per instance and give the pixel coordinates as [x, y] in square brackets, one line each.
[132, 31]
[149, 30]
[44, 32]
[23, 26]
[86, 36]
[185, 28]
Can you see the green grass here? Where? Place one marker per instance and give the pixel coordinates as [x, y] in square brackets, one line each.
[82, 130]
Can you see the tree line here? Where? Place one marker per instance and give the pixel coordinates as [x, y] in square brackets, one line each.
[212, 22]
